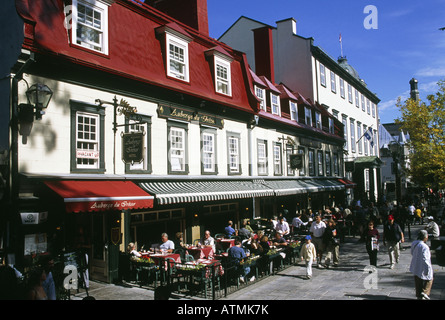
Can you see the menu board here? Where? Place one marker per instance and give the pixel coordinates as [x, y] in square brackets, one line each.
[35, 243]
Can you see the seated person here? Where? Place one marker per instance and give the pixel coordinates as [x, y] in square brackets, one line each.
[243, 233]
[165, 245]
[208, 241]
[264, 243]
[178, 241]
[279, 241]
[254, 247]
[131, 249]
[229, 230]
[282, 227]
[236, 255]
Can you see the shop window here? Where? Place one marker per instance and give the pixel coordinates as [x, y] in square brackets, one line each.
[87, 138]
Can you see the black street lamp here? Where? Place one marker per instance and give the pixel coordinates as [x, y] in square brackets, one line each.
[397, 153]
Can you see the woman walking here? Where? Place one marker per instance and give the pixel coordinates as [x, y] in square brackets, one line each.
[372, 246]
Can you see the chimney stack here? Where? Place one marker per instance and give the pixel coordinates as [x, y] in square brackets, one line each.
[264, 60]
[414, 90]
[190, 12]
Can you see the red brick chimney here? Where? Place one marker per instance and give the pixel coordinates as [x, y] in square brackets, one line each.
[263, 43]
[191, 12]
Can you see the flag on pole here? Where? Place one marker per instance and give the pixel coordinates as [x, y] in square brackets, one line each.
[369, 135]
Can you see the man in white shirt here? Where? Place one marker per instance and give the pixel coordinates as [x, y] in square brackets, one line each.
[421, 266]
[317, 230]
[282, 227]
[208, 241]
[166, 244]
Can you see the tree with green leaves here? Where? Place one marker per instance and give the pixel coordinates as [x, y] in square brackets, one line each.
[425, 123]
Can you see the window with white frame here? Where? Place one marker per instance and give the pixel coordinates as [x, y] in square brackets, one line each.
[342, 88]
[352, 132]
[275, 104]
[373, 110]
[208, 152]
[335, 161]
[293, 110]
[87, 141]
[302, 172]
[289, 152]
[345, 128]
[359, 136]
[328, 163]
[277, 167]
[177, 58]
[368, 106]
[177, 149]
[365, 141]
[320, 163]
[223, 76]
[90, 25]
[311, 158]
[333, 83]
[308, 116]
[262, 157]
[318, 120]
[357, 100]
[322, 75]
[331, 126]
[233, 146]
[363, 103]
[261, 94]
[349, 93]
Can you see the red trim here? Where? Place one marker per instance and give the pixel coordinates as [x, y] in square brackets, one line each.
[347, 183]
[90, 196]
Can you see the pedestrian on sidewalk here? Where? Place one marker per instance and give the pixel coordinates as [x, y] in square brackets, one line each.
[392, 237]
[372, 237]
[421, 266]
[308, 254]
[331, 241]
[317, 230]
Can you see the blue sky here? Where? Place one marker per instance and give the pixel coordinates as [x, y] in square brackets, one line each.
[406, 43]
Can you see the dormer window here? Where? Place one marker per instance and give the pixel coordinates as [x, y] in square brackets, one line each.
[293, 110]
[90, 25]
[221, 61]
[318, 120]
[275, 104]
[176, 51]
[261, 94]
[308, 116]
[177, 59]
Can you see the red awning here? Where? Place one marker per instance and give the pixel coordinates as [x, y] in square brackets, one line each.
[348, 183]
[88, 196]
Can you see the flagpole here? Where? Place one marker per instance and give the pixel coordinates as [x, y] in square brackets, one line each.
[341, 45]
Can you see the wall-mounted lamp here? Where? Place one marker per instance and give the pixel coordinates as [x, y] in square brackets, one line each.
[39, 96]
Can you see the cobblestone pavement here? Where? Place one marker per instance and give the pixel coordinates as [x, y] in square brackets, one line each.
[351, 280]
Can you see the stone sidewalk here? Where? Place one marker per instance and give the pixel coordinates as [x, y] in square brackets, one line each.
[351, 280]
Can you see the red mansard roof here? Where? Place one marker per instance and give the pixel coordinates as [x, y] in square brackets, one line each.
[135, 50]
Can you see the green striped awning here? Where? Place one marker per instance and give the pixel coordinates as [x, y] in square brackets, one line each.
[170, 192]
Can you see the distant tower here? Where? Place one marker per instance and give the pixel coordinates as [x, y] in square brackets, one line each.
[414, 90]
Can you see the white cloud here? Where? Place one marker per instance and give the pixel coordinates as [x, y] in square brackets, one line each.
[431, 72]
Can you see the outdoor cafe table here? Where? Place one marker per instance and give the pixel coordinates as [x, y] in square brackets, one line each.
[205, 270]
[200, 253]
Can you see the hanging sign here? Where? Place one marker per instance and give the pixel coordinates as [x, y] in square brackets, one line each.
[296, 161]
[188, 115]
[133, 147]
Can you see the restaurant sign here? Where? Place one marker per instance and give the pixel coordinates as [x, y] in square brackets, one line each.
[33, 217]
[296, 161]
[132, 147]
[165, 111]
